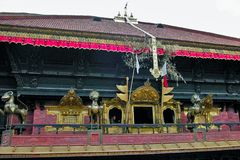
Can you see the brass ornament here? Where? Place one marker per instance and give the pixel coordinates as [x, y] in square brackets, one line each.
[165, 91]
[124, 91]
[71, 99]
[166, 98]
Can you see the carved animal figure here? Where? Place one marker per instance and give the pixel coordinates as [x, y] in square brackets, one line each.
[209, 110]
[201, 107]
[207, 102]
[11, 108]
[196, 109]
[94, 110]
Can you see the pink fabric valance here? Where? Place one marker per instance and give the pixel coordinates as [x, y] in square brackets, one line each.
[111, 47]
[207, 55]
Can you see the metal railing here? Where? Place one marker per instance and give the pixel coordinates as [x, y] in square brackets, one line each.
[77, 128]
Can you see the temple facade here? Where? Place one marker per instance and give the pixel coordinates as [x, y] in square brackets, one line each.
[70, 77]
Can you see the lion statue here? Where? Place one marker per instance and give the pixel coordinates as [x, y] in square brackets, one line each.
[94, 110]
[11, 108]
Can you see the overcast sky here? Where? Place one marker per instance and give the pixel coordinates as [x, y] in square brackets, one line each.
[217, 16]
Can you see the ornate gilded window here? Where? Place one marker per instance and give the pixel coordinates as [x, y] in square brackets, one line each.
[70, 119]
[70, 111]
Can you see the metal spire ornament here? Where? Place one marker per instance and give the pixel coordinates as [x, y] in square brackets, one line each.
[155, 70]
[149, 43]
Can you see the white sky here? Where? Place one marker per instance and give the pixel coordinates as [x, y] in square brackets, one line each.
[216, 16]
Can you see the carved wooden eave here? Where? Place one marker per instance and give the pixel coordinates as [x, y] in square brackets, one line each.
[145, 94]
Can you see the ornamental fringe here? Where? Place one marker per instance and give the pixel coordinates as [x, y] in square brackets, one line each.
[111, 47]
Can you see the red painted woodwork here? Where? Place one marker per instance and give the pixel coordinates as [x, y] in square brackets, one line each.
[82, 139]
[31, 137]
[226, 116]
[44, 140]
[39, 118]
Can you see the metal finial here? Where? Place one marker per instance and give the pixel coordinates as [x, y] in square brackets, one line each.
[119, 14]
[125, 10]
[131, 15]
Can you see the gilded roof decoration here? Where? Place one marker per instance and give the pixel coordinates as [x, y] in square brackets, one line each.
[114, 101]
[145, 93]
[71, 99]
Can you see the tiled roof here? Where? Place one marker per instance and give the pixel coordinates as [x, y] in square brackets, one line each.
[108, 26]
